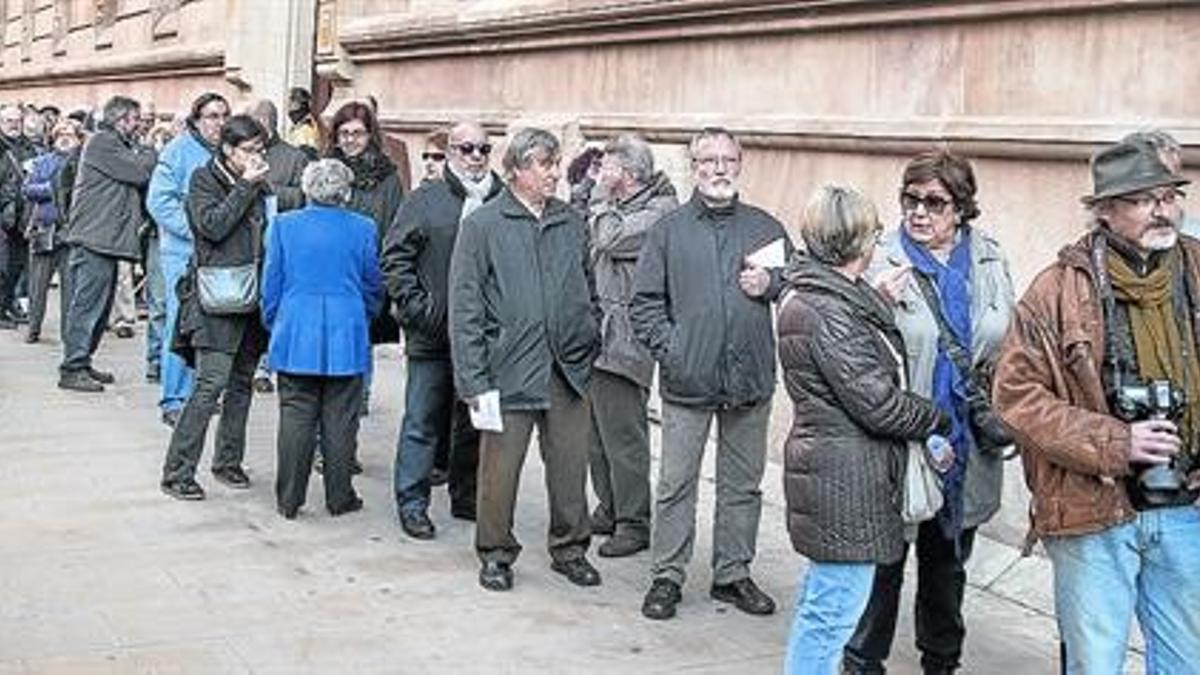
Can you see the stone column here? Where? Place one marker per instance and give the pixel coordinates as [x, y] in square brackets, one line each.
[272, 50]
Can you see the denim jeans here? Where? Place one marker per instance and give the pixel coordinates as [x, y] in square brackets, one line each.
[434, 419]
[94, 279]
[156, 311]
[1150, 568]
[829, 602]
[177, 379]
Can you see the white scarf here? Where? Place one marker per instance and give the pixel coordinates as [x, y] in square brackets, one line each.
[477, 191]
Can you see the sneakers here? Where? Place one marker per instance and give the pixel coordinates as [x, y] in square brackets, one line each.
[186, 490]
[661, 600]
[622, 545]
[578, 571]
[744, 595]
[79, 380]
[496, 576]
[233, 477]
[417, 525]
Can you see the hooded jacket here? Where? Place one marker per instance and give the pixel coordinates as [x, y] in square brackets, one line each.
[844, 456]
[167, 196]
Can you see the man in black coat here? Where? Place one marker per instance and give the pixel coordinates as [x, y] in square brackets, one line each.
[524, 330]
[416, 266]
[701, 305]
[15, 151]
[106, 213]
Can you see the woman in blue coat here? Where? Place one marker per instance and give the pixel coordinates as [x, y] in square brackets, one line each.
[321, 285]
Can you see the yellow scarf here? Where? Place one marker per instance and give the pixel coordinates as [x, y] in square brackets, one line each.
[1157, 340]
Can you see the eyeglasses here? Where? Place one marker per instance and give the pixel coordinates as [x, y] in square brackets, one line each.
[353, 133]
[484, 149]
[252, 150]
[934, 204]
[214, 116]
[711, 162]
[1148, 201]
[434, 156]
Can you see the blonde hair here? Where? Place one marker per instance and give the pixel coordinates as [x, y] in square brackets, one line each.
[838, 225]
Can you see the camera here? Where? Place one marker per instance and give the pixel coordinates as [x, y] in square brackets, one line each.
[1138, 401]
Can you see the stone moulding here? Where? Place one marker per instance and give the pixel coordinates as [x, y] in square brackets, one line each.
[156, 63]
[1048, 140]
[398, 37]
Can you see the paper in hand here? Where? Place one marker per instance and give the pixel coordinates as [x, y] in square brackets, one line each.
[771, 256]
[486, 415]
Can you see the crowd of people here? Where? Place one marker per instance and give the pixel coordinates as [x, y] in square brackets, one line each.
[905, 353]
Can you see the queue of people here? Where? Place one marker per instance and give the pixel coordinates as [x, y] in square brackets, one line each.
[519, 311]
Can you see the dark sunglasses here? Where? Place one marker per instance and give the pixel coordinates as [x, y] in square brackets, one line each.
[435, 156]
[484, 149]
[933, 203]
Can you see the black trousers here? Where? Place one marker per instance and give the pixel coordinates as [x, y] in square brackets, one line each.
[620, 453]
[217, 373]
[306, 402]
[14, 256]
[941, 579]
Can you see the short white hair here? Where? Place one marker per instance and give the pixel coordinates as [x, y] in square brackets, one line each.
[327, 181]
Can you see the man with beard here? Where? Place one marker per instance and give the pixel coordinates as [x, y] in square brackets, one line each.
[524, 331]
[15, 151]
[106, 210]
[166, 201]
[416, 266]
[702, 306]
[633, 196]
[1099, 381]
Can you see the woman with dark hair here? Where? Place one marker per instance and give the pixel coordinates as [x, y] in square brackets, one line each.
[582, 174]
[939, 263]
[376, 193]
[227, 210]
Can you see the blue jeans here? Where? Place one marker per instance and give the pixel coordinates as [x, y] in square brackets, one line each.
[829, 602]
[177, 378]
[1149, 567]
[155, 306]
[434, 418]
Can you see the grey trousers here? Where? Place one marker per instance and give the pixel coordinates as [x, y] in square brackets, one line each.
[563, 432]
[306, 402]
[42, 267]
[620, 454]
[217, 373]
[93, 278]
[741, 458]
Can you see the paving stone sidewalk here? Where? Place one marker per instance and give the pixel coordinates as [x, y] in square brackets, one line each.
[101, 573]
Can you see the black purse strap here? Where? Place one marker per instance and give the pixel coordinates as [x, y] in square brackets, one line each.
[954, 351]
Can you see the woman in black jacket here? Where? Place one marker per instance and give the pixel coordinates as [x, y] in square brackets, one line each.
[356, 141]
[227, 208]
[843, 461]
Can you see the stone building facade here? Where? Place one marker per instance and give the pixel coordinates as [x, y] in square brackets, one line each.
[821, 90]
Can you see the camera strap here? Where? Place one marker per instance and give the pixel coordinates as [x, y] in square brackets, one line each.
[957, 354]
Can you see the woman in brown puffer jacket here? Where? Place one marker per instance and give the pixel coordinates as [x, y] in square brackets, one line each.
[840, 351]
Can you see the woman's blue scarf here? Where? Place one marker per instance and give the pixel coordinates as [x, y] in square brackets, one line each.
[953, 283]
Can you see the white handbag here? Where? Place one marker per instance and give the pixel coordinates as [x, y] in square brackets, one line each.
[922, 487]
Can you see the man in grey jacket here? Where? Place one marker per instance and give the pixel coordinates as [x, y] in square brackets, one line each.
[632, 198]
[523, 329]
[106, 212]
[701, 305]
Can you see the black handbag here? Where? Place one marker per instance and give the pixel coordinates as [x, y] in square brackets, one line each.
[990, 433]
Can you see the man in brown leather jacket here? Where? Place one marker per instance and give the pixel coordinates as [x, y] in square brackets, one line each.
[1115, 318]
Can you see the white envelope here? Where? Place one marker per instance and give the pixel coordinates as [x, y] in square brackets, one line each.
[486, 417]
[771, 256]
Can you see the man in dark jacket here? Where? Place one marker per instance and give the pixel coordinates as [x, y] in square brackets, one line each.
[701, 304]
[633, 197]
[15, 152]
[416, 265]
[523, 330]
[106, 212]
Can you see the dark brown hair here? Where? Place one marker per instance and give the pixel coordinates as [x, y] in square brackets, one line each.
[953, 172]
[355, 110]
